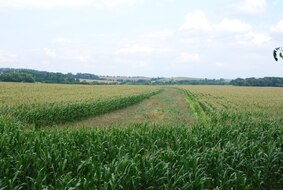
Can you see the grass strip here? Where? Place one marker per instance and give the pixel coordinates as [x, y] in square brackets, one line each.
[198, 109]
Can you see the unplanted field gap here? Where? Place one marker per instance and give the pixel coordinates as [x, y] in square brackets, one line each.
[168, 107]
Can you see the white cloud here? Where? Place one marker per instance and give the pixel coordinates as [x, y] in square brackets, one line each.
[253, 38]
[7, 57]
[188, 57]
[160, 34]
[50, 53]
[134, 49]
[65, 54]
[142, 64]
[278, 27]
[253, 6]
[219, 64]
[258, 38]
[64, 41]
[132, 63]
[62, 3]
[44, 3]
[80, 57]
[196, 21]
[118, 2]
[232, 25]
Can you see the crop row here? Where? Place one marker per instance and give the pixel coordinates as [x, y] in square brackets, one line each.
[251, 103]
[50, 114]
[241, 99]
[238, 156]
[15, 94]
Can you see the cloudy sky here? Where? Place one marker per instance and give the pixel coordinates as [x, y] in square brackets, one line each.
[212, 39]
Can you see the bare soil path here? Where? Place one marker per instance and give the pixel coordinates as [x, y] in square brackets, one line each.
[168, 107]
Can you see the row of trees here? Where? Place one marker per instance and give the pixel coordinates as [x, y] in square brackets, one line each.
[266, 81]
[28, 75]
[16, 77]
[193, 82]
[36, 76]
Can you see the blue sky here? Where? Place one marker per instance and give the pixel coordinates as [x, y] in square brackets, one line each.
[219, 39]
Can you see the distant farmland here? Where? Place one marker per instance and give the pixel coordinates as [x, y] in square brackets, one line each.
[179, 137]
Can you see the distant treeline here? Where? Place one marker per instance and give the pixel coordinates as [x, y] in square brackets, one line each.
[193, 82]
[178, 82]
[266, 81]
[28, 75]
[160, 81]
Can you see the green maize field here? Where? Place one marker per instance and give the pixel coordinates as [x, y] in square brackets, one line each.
[234, 140]
[45, 104]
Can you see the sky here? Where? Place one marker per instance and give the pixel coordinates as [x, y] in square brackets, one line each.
[153, 38]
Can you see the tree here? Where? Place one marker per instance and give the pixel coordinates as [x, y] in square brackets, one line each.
[266, 81]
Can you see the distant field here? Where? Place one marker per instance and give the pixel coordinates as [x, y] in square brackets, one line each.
[25, 93]
[230, 137]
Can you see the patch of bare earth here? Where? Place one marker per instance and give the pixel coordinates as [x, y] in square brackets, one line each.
[168, 107]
